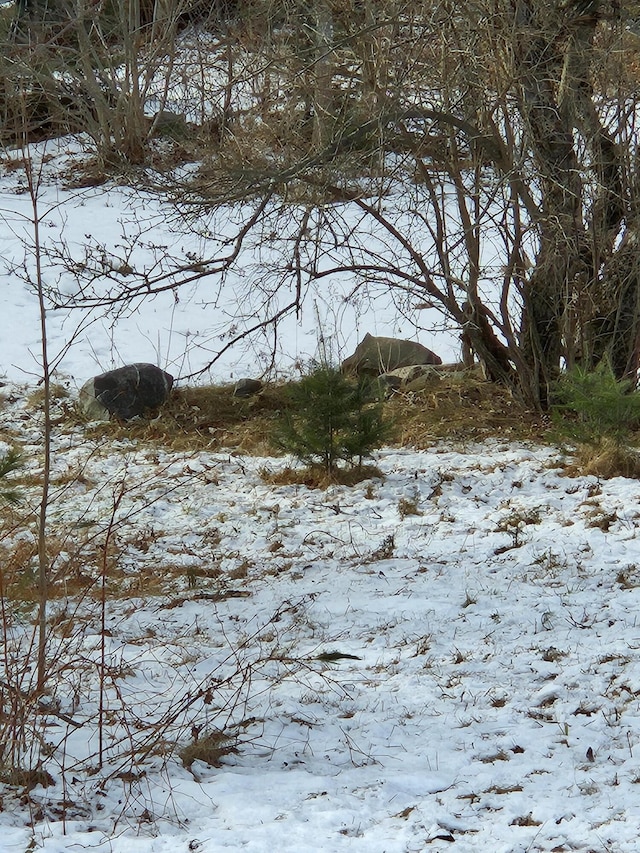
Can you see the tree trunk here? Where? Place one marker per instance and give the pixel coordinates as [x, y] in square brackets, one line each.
[323, 119]
[548, 290]
[575, 310]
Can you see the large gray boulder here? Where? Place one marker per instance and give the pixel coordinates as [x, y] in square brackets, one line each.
[375, 355]
[247, 387]
[126, 392]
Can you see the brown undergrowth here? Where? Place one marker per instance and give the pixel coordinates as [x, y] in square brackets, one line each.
[459, 406]
[317, 477]
[605, 459]
[204, 418]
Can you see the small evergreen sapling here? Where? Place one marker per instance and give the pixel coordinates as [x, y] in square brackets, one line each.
[600, 406]
[599, 413]
[332, 419]
[9, 463]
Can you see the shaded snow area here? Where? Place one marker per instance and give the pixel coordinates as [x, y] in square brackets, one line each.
[442, 659]
[97, 243]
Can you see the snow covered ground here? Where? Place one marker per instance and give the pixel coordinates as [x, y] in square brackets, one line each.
[111, 228]
[446, 657]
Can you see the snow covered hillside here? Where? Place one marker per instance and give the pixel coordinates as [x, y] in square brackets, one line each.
[443, 658]
[93, 240]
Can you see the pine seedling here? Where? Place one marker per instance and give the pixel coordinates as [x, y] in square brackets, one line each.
[10, 462]
[331, 419]
[598, 405]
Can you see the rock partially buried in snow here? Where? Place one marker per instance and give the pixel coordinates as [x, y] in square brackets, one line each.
[126, 392]
[375, 355]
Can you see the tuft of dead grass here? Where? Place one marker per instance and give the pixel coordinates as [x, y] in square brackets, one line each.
[58, 392]
[76, 563]
[209, 748]
[316, 477]
[606, 459]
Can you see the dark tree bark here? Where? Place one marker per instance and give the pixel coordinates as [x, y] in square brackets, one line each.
[538, 58]
[581, 299]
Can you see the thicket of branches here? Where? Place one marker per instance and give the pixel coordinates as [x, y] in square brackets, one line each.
[478, 158]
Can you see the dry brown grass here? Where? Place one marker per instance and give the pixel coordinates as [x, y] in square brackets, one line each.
[460, 407]
[204, 418]
[76, 566]
[606, 459]
[316, 477]
[57, 392]
[78, 570]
